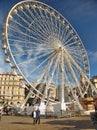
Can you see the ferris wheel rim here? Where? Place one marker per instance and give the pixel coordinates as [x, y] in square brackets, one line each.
[19, 3]
[9, 43]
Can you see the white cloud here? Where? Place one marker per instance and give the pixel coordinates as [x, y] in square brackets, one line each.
[87, 7]
[92, 56]
[80, 9]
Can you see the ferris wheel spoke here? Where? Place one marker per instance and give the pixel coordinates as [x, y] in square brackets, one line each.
[31, 13]
[40, 28]
[60, 30]
[20, 24]
[72, 44]
[68, 35]
[38, 32]
[22, 53]
[48, 75]
[73, 61]
[51, 30]
[70, 87]
[26, 52]
[35, 48]
[74, 52]
[41, 64]
[67, 41]
[43, 73]
[34, 59]
[20, 32]
[45, 25]
[23, 34]
[26, 62]
[50, 23]
[27, 16]
[49, 78]
[64, 32]
[55, 26]
[78, 61]
[46, 70]
[49, 26]
[25, 21]
[75, 78]
[40, 20]
[22, 44]
[69, 60]
[13, 38]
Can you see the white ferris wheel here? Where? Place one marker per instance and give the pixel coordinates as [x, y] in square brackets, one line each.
[44, 47]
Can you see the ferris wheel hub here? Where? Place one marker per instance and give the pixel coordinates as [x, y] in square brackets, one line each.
[55, 42]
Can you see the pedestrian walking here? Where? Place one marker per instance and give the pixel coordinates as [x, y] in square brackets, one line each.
[38, 116]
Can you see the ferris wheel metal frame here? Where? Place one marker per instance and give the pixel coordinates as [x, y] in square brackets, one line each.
[37, 36]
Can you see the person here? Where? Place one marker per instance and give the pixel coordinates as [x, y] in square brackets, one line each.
[38, 116]
[0, 113]
[95, 105]
[34, 117]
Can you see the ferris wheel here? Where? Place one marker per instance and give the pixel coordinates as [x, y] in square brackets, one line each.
[44, 47]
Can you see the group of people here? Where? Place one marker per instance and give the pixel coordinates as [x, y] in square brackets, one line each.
[36, 116]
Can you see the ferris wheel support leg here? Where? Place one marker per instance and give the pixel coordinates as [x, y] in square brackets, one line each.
[26, 99]
[62, 101]
[42, 107]
[63, 106]
[78, 103]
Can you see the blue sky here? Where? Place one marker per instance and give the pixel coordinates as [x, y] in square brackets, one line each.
[82, 15]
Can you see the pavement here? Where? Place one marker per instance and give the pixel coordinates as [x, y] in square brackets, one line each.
[25, 123]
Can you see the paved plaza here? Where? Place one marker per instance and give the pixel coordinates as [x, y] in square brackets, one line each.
[25, 123]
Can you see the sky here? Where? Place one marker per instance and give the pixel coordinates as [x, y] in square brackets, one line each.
[81, 14]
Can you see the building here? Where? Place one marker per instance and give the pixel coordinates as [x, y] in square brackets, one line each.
[89, 102]
[11, 88]
[94, 81]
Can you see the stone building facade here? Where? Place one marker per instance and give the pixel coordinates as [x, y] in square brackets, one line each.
[11, 88]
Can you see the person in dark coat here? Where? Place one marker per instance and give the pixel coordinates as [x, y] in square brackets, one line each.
[38, 116]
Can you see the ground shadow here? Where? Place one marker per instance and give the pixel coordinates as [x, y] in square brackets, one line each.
[72, 124]
[24, 123]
